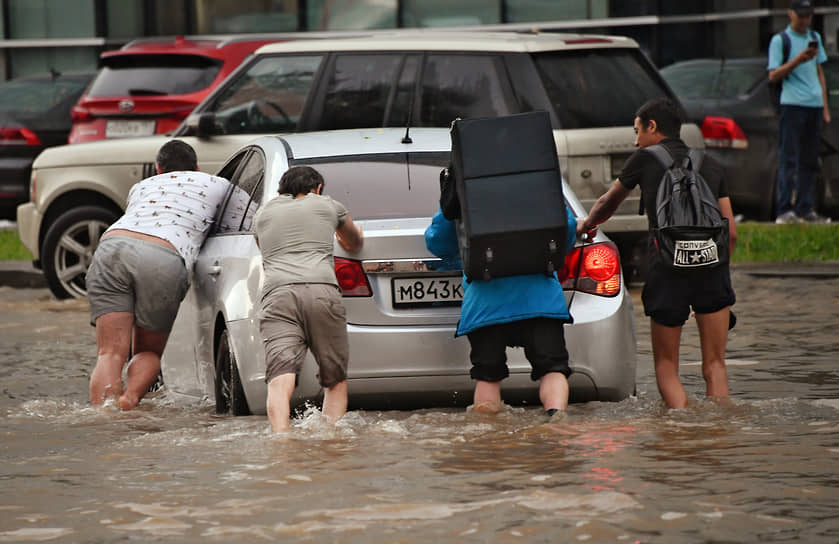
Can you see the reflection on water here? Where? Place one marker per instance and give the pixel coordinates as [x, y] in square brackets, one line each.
[758, 469]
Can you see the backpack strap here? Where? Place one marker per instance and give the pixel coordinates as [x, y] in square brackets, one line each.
[786, 45]
[696, 156]
[663, 156]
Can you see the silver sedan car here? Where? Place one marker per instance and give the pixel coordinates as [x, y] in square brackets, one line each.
[402, 303]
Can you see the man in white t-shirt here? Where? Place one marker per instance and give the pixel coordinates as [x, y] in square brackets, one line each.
[141, 271]
[301, 300]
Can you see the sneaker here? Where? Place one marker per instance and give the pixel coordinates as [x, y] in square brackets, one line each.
[787, 218]
[813, 217]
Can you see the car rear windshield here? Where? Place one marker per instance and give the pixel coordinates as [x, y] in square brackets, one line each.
[596, 88]
[137, 75]
[33, 96]
[713, 79]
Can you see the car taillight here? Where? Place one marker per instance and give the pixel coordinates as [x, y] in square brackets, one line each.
[723, 132]
[599, 271]
[18, 136]
[78, 115]
[351, 278]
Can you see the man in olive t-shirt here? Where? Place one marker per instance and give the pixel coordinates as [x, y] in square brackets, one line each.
[301, 300]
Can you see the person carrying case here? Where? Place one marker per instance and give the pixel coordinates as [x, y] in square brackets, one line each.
[512, 217]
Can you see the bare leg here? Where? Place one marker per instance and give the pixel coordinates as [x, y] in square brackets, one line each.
[335, 401]
[665, 342]
[553, 391]
[113, 342]
[713, 335]
[278, 405]
[144, 366]
[487, 398]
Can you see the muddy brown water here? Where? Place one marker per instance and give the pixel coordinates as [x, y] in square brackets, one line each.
[762, 469]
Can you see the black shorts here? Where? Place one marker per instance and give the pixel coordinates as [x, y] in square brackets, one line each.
[542, 338]
[669, 295]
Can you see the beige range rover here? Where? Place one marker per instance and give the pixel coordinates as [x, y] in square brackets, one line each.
[591, 86]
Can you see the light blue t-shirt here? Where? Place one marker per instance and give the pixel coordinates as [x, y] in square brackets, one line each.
[802, 86]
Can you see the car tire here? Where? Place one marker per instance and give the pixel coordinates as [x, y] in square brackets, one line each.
[68, 248]
[230, 396]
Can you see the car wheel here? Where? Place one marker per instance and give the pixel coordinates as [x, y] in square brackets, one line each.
[230, 396]
[68, 248]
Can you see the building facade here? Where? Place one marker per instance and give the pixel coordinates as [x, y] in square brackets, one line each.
[68, 35]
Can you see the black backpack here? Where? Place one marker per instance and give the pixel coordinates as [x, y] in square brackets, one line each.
[692, 232]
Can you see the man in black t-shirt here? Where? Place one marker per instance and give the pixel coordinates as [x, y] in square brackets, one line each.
[670, 295]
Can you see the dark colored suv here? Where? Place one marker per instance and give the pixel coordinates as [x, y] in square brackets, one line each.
[150, 86]
[34, 115]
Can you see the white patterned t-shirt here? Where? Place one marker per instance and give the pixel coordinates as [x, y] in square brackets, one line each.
[178, 207]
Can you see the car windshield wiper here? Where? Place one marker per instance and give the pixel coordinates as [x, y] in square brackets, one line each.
[147, 92]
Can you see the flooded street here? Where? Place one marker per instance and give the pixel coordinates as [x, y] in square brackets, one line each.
[762, 469]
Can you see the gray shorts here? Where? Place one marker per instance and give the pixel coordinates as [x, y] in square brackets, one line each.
[304, 316]
[139, 277]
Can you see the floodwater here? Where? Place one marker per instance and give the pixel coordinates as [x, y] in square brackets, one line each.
[762, 469]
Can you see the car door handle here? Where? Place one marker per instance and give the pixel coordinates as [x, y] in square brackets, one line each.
[214, 270]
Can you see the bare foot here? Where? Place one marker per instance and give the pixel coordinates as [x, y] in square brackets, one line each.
[128, 402]
[487, 407]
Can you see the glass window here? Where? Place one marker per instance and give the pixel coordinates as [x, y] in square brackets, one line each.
[350, 14]
[246, 194]
[547, 10]
[268, 97]
[132, 75]
[424, 13]
[461, 86]
[125, 18]
[618, 81]
[40, 95]
[26, 61]
[359, 91]
[51, 18]
[240, 16]
[708, 79]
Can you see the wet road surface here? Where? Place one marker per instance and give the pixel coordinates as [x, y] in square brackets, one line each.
[762, 469]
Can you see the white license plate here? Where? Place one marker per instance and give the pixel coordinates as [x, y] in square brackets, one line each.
[427, 291]
[128, 129]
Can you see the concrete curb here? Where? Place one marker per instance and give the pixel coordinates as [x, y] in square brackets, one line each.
[21, 274]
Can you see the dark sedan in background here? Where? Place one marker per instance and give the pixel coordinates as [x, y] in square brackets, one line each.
[34, 115]
[729, 100]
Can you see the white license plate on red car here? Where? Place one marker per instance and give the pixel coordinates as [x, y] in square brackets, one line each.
[129, 128]
[427, 291]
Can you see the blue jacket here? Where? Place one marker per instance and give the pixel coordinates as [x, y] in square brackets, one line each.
[501, 300]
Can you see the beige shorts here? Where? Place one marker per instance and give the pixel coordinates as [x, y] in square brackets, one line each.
[300, 317]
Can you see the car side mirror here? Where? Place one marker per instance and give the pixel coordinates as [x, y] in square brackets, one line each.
[202, 124]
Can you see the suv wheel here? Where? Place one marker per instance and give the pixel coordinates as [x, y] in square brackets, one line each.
[68, 248]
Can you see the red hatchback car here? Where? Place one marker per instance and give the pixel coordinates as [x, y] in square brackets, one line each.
[149, 86]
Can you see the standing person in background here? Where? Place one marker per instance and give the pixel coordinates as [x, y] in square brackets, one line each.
[141, 271]
[804, 107]
[301, 299]
[670, 295]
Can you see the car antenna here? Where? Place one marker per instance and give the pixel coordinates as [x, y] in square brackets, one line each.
[407, 138]
[54, 73]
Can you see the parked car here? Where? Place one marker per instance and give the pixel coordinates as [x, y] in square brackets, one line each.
[590, 85]
[402, 302]
[150, 85]
[34, 115]
[729, 99]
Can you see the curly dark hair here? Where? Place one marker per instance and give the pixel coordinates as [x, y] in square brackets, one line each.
[176, 156]
[300, 180]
